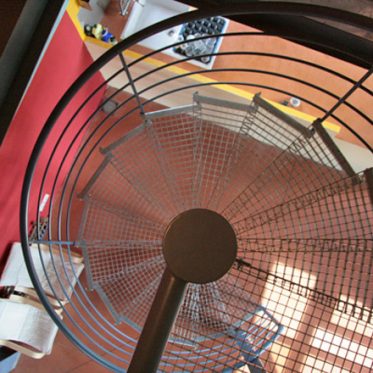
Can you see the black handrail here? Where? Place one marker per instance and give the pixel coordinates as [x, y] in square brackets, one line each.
[62, 196]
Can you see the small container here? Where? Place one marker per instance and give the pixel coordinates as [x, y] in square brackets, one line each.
[294, 102]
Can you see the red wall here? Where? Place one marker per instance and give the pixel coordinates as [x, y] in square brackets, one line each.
[64, 60]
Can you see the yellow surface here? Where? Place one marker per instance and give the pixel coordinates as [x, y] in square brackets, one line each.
[73, 9]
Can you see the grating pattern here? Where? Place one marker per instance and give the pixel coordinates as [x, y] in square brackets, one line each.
[123, 274]
[291, 174]
[220, 351]
[175, 139]
[219, 323]
[109, 187]
[123, 254]
[135, 158]
[303, 225]
[339, 217]
[218, 147]
[106, 222]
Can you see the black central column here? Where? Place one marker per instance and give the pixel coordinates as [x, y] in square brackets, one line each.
[158, 324]
[199, 246]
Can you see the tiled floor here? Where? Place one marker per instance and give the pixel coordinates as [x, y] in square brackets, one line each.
[64, 358]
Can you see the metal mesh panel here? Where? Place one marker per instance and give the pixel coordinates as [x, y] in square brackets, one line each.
[218, 147]
[111, 188]
[109, 223]
[218, 325]
[312, 264]
[136, 159]
[304, 166]
[340, 217]
[202, 315]
[175, 137]
[197, 149]
[121, 271]
[265, 140]
[304, 232]
[123, 254]
[295, 298]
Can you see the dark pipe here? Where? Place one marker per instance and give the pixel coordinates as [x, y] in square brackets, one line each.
[158, 324]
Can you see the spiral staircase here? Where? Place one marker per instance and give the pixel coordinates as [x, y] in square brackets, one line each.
[298, 204]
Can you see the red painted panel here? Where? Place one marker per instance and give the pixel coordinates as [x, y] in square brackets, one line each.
[65, 59]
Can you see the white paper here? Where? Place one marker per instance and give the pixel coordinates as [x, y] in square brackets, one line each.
[16, 274]
[27, 324]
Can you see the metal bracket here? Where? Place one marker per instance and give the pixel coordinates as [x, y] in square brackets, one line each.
[317, 125]
[282, 116]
